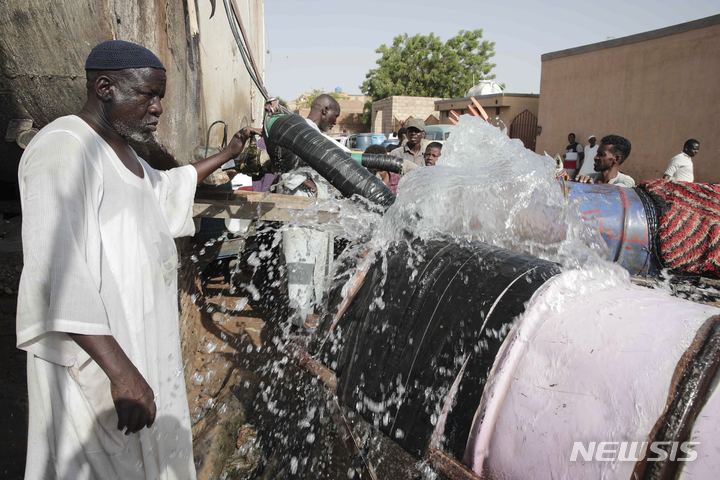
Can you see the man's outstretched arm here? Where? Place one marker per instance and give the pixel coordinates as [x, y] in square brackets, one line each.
[134, 399]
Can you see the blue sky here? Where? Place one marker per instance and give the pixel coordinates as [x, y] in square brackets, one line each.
[328, 44]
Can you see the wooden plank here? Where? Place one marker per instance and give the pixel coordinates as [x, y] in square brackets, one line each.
[474, 112]
[262, 206]
[449, 466]
[452, 120]
[317, 369]
[480, 109]
[455, 114]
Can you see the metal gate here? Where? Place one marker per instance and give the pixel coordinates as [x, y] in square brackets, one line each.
[524, 127]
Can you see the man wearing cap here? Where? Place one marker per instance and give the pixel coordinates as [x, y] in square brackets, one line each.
[97, 307]
[413, 150]
[587, 164]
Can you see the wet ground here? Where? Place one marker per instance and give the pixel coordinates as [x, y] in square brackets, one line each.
[256, 413]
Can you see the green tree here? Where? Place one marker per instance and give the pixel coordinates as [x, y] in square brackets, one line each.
[424, 66]
[367, 114]
[304, 100]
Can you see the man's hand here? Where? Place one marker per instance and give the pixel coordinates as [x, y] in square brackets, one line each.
[237, 143]
[133, 398]
[310, 185]
[134, 402]
[584, 179]
[234, 148]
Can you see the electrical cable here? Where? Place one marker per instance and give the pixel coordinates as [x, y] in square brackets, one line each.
[242, 44]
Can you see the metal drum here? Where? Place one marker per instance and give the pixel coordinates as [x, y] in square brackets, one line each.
[620, 214]
[618, 364]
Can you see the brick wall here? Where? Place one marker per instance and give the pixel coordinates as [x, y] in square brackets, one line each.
[389, 113]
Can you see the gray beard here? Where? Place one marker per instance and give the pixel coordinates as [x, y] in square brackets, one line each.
[130, 134]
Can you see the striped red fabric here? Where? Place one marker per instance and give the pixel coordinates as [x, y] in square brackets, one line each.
[689, 225]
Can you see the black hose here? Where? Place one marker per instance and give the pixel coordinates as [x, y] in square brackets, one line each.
[283, 159]
[327, 158]
[388, 163]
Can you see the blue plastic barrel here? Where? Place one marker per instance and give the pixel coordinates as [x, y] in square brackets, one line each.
[621, 217]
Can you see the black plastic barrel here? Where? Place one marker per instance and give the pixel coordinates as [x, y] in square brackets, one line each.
[404, 338]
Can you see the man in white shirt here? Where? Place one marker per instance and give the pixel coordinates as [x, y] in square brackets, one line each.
[97, 306]
[612, 152]
[587, 165]
[681, 166]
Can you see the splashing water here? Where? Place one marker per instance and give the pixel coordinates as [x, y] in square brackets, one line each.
[485, 187]
[490, 188]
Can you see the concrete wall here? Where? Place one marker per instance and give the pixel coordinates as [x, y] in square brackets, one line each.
[43, 47]
[227, 92]
[388, 113]
[657, 89]
[502, 108]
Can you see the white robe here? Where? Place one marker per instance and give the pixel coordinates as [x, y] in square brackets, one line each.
[99, 259]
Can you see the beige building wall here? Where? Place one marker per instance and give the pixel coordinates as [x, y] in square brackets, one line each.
[657, 89]
[389, 112]
[502, 108]
[227, 92]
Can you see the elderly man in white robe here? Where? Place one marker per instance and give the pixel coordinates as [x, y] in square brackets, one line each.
[97, 307]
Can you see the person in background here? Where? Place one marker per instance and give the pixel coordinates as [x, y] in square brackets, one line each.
[432, 153]
[612, 152]
[681, 165]
[390, 179]
[573, 155]
[402, 136]
[587, 164]
[414, 149]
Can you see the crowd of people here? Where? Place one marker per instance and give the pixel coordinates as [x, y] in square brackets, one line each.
[600, 163]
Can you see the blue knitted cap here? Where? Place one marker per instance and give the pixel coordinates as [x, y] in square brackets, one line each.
[119, 55]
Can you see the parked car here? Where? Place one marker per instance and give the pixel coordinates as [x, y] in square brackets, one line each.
[438, 133]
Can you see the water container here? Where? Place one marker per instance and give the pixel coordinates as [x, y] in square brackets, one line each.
[622, 217]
